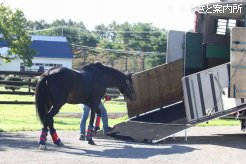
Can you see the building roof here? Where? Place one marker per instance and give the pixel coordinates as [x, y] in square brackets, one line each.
[3, 44]
[51, 47]
[48, 46]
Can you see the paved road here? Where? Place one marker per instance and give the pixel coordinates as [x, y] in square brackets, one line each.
[204, 145]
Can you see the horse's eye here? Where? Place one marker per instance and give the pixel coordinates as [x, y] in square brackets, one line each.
[127, 82]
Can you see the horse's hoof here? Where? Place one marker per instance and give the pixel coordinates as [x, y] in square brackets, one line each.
[42, 147]
[91, 142]
[58, 143]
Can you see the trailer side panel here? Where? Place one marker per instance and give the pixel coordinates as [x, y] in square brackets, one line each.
[156, 88]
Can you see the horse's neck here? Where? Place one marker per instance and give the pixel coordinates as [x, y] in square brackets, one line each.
[111, 81]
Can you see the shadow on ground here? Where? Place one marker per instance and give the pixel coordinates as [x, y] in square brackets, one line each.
[226, 140]
[113, 148]
[20, 141]
[134, 152]
[105, 148]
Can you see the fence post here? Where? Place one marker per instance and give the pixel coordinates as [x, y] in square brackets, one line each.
[29, 86]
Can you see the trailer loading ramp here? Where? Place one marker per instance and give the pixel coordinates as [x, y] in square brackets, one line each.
[153, 125]
[205, 98]
[142, 129]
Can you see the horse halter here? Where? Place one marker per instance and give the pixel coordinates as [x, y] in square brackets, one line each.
[127, 90]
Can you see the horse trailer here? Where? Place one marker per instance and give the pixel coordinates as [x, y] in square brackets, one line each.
[203, 78]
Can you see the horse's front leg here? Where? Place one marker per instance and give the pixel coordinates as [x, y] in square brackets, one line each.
[90, 130]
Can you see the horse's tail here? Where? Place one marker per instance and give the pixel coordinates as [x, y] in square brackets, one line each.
[41, 98]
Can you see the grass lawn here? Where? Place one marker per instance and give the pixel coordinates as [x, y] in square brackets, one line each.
[23, 117]
[221, 122]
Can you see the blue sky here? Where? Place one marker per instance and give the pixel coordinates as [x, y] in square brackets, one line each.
[170, 15]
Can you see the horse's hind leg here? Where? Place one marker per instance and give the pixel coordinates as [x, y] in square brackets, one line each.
[54, 110]
[44, 133]
[43, 138]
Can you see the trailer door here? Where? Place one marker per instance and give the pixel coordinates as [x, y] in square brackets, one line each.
[206, 95]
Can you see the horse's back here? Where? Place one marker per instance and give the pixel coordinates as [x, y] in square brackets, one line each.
[60, 81]
[75, 86]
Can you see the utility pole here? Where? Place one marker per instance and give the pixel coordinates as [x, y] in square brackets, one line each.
[143, 59]
[126, 63]
[62, 31]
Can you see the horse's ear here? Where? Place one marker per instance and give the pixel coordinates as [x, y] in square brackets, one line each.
[129, 75]
[97, 62]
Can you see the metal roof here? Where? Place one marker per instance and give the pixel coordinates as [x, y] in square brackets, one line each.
[52, 49]
[3, 44]
[49, 46]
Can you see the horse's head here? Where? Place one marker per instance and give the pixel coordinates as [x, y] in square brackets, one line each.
[126, 87]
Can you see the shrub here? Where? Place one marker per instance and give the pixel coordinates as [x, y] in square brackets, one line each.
[34, 81]
[15, 86]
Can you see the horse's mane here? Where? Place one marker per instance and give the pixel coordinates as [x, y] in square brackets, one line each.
[95, 67]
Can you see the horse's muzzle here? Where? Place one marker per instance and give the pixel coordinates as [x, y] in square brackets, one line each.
[133, 97]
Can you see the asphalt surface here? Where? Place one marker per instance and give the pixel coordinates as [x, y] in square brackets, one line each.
[204, 145]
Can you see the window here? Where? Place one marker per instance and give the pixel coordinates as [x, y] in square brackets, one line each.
[39, 64]
[52, 65]
[49, 64]
[224, 26]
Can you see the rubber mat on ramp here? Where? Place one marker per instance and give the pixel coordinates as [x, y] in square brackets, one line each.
[143, 132]
[155, 125]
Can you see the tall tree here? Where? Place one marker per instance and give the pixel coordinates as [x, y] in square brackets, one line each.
[13, 33]
[75, 32]
[144, 37]
[36, 25]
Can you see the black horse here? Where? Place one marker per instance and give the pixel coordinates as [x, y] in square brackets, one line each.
[58, 86]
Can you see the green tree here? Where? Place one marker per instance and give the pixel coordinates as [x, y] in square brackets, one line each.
[111, 50]
[75, 32]
[144, 37]
[13, 32]
[159, 45]
[37, 25]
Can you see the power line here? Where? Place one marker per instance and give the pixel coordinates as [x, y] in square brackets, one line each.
[96, 49]
[110, 31]
[78, 36]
